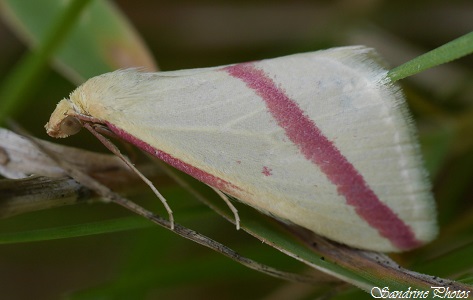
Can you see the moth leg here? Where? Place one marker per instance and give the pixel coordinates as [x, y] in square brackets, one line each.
[117, 152]
[230, 205]
[104, 130]
[86, 118]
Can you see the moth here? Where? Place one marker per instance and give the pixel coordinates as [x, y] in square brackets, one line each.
[323, 139]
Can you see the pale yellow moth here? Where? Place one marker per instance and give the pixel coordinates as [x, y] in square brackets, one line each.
[323, 140]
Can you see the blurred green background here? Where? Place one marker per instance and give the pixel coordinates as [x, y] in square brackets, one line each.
[154, 264]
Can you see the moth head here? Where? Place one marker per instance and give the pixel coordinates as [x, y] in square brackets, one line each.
[62, 122]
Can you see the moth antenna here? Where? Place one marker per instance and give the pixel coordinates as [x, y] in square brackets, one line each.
[117, 152]
[230, 205]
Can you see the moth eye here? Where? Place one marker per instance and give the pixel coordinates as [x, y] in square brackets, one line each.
[70, 125]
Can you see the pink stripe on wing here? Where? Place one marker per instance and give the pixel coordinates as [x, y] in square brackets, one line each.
[318, 149]
[195, 172]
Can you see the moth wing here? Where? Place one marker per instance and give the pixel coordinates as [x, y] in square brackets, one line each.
[216, 123]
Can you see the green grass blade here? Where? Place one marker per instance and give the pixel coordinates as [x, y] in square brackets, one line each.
[100, 41]
[72, 231]
[19, 82]
[455, 49]
[349, 268]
